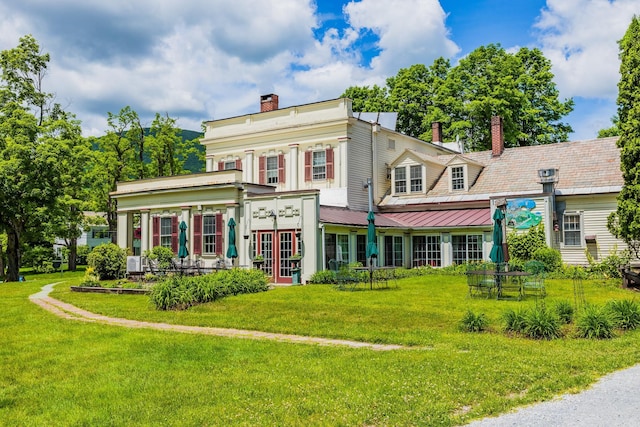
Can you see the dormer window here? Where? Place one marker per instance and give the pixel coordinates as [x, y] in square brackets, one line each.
[416, 178]
[457, 178]
[401, 179]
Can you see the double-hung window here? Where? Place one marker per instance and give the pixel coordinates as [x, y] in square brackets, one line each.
[400, 179]
[571, 225]
[416, 178]
[165, 232]
[272, 170]
[457, 178]
[319, 170]
[209, 234]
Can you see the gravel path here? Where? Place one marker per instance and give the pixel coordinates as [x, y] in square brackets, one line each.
[68, 311]
[612, 401]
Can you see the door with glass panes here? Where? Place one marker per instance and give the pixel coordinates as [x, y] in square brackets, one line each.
[276, 247]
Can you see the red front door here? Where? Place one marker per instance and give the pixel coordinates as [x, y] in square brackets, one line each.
[277, 247]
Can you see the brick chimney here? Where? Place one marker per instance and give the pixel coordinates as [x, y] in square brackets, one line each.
[436, 132]
[268, 102]
[497, 136]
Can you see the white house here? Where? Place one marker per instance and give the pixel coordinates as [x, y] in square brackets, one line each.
[299, 179]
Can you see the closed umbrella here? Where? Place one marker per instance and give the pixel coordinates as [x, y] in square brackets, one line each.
[183, 252]
[372, 246]
[232, 251]
[497, 254]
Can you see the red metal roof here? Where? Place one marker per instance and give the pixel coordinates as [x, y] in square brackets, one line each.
[345, 216]
[427, 219]
[443, 218]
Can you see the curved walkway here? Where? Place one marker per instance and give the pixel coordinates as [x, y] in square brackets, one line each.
[68, 311]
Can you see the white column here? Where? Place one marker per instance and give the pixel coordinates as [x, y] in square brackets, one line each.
[293, 167]
[209, 164]
[248, 166]
[145, 236]
[123, 228]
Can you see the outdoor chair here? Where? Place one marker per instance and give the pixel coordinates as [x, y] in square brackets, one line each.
[534, 284]
[480, 282]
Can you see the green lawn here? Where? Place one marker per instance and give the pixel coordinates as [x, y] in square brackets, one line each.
[63, 372]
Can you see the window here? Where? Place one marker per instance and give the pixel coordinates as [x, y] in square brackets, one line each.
[209, 234]
[392, 144]
[342, 248]
[467, 248]
[401, 180]
[426, 251]
[361, 249]
[572, 229]
[272, 170]
[393, 251]
[457, 178]
[165, 232]
[319, 165]
[416, 178]
[230, 165]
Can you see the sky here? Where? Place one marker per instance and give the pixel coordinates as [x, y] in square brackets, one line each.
[199, 60]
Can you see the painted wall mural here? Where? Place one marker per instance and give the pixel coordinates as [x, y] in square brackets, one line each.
[520, 214]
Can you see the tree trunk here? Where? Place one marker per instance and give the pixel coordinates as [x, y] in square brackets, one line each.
[1, 263]
[13, 255]
[73, 253]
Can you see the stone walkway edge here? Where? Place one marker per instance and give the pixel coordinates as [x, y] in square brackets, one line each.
[71, 312]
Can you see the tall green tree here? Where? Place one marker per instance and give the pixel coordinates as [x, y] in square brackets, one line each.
[489, 81]
[163, 146]
[29, 164]
[625, 222]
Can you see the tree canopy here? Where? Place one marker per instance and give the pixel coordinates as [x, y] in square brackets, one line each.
[625, 222]
[490, 81]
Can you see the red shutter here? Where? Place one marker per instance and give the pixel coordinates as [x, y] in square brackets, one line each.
[329, 158]
[219, 229]
[307, 166]
[239, 164]
[156, 231]
[281, 170]
[261, 170]
[220, 166]
[174, 234]
[197, 234]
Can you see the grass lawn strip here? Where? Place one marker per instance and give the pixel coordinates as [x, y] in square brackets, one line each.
[72, 312]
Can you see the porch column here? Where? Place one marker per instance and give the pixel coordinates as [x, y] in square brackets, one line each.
[209, 164]
[123, 229]
[145, 243]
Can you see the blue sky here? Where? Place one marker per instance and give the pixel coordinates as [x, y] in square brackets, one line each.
[198, 60]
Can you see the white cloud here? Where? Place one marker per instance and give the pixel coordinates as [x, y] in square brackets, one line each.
[580, 38]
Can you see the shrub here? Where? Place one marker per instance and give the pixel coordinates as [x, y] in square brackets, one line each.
[40, 258]
[162, 255]
[181, 292]
[551, 258]
[514, 321]
[523, 245]
[625, 313]
[90, 278]
[82, 252]
[564, 311]
[610, 265]
[595, 322]
[472, 322]
[541, 323]
[108, 261]
[323, 277]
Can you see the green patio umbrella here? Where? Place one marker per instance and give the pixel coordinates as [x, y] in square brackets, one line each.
[183, 252]
[372, 246]
[232, 251]
[497, 254]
